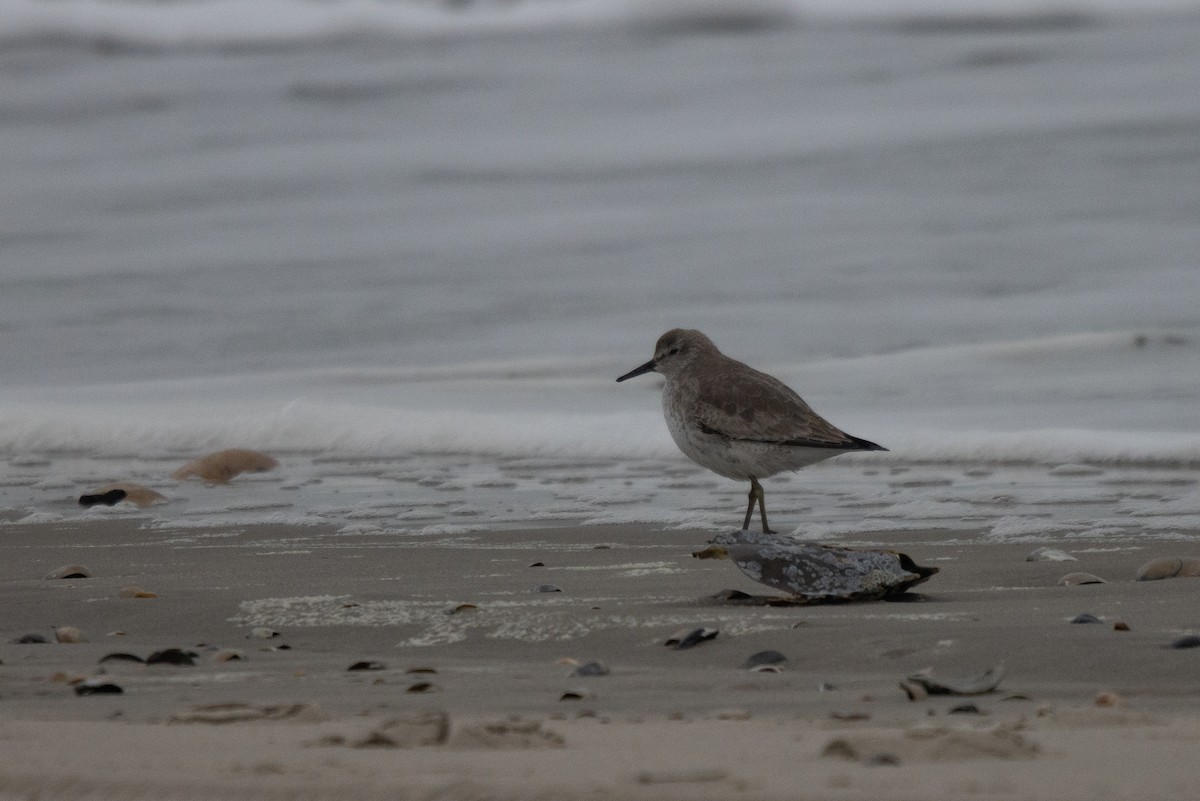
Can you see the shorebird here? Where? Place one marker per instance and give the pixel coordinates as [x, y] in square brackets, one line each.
[737, 421]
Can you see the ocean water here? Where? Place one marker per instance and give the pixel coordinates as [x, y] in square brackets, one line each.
[407, 247]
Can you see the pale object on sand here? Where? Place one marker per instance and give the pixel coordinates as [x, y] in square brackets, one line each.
[69, 634]
[220, 467]
[736, 421]
[812, 573]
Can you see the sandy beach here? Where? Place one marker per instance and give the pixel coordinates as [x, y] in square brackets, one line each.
[468, 689]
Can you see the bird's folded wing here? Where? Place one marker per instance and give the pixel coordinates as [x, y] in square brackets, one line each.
[750, 406]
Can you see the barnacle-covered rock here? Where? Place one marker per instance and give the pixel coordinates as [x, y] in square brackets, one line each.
[817, 573]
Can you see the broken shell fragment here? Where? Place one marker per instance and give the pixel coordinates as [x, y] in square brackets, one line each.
[133, 591]
[985, 682]
[817, 573]
[765, 658]
[689, 638]
[1050, 555]
[1077, 579]
[97, 686]
[220, 467]
[69, 572]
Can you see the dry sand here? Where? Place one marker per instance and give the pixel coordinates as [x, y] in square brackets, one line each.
[1084, 710]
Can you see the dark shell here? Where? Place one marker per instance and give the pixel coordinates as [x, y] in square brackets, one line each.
[1190, 641]
[121, 657]
[171, 656]
[110, 498]
[688, 638]
[765, 658]
[591, 669]
[95, 687]
[1086, 617]
[367, 665]
[817, 573]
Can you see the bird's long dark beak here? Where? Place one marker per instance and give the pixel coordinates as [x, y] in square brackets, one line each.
[645, 368]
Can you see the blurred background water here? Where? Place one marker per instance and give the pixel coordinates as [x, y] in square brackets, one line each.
[966, 231]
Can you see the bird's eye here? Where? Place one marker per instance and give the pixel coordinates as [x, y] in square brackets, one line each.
[672, 351]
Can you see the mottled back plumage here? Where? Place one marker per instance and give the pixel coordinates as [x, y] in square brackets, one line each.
[737, 421]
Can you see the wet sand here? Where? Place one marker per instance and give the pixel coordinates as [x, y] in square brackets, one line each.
[1084, 710]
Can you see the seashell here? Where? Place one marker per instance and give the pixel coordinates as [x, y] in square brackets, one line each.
[591, 669]
[28, 639]
[111, 494]
[132, 591]
[421, 687]
[1086, 617]
[172, 656]
[1050, 555]
[110, 498]
[1190, 641]
[538, 564]
[765, 658]
[121, 657]
[817, 573]
[548, 588]
[1165, 567]
[69, 634]
[421, 670]
[964, 709]
[97, 686]
[228, 655]
[367, 665]
[574, 695]
[1107, 699]
[220, 467]
[262, 633]
[1120, 625]
[688, 638]
[69, 572]
[985, 682]
[462, 608]
[1077, 579]
[766, 669]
